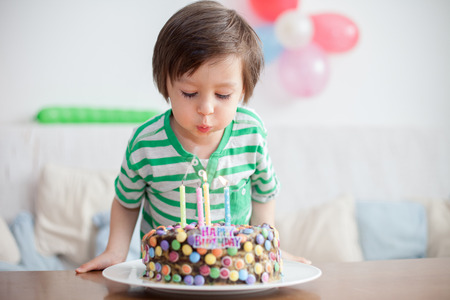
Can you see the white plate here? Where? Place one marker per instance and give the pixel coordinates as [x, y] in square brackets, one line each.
[130, 272]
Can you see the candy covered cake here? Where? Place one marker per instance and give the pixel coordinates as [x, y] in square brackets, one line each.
[212, 255]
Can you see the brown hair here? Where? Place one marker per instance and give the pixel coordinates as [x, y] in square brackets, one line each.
[199, 32]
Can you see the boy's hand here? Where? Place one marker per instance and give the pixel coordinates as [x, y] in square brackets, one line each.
[289, 256]
[100, 262]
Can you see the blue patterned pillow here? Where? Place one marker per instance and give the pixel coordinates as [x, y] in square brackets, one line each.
[392, 230]
[22, 229]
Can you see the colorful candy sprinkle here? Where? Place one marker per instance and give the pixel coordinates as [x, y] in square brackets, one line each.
[265, 232]
[199, 280]
[210, 259]
[248, 230]
[243, 274]
[248, 246]
[158, 251]
[181, 236]
[249, 258]
[186, 269]
[176, 278]
[194, 257]
[217, 252]
[164, 245]
[269, 268]
[214, 273]
[234, 275]
[173, 256]
[176, 245]
[191, 240]
[259, 250]
[187, 250]
[202, 251]
[276, 267]
[188, 279]
[267, 245]
[226, 261]
[224, 273]
[151, 266]
[232, 251]
[151, 252]
[165, 270]
[205, 270]
[239, 264]
[251, 279]
[259, 239]
[258, 268]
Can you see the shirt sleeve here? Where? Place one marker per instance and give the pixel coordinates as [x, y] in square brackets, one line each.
[129, 185]
[265, 184]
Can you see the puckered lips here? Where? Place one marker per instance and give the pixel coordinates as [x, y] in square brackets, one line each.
[204, 128]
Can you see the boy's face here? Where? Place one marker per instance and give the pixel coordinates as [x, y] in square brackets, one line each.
[205, 102]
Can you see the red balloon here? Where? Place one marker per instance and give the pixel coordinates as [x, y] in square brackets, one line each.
[269, 10]
[334, 32]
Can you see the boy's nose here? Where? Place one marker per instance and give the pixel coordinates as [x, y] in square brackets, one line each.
[206, 107]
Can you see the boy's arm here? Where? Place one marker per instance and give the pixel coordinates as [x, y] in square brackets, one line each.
[123, 221]
[265, 213]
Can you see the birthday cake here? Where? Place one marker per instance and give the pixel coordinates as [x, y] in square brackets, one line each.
[212, 255]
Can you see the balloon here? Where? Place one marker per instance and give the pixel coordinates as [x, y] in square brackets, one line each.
[304, 71]
[269, 10]
[294, 29]
[271, 47]
[335, 33]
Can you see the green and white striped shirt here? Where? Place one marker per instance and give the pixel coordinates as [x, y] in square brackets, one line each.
[155, 165]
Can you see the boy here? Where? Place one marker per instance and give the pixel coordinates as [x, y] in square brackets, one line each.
[206, 60]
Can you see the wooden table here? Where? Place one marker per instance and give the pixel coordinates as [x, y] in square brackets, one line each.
[397, 279]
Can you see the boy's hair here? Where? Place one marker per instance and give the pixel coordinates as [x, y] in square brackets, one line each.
[202, 31]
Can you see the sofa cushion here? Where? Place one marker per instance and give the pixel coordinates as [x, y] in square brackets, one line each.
[9, 252]
[392, 230]
[67, 199]
[324, 233]
[438, 212]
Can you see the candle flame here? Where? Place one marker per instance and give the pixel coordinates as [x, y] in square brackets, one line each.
[223, 180]
[204, 175]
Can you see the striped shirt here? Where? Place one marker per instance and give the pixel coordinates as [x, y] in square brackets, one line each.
[155, 165]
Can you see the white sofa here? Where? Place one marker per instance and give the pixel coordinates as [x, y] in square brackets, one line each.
[56, 188]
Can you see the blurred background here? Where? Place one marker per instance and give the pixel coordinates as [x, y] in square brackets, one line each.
[98, 53]
[355, 96]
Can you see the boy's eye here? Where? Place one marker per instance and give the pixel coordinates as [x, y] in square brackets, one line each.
[223, 97]
[188, 95]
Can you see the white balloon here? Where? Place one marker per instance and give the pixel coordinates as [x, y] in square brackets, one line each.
[294, 29]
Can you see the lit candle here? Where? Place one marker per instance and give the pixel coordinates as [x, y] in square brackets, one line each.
[182, 206]
[200, 207]
[206, 196]
[226, 194]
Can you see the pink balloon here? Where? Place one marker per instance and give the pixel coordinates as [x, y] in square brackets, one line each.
[334, 32]
[304, 72]
[269, 10]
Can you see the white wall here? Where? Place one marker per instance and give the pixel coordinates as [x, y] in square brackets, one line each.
[98, 53]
